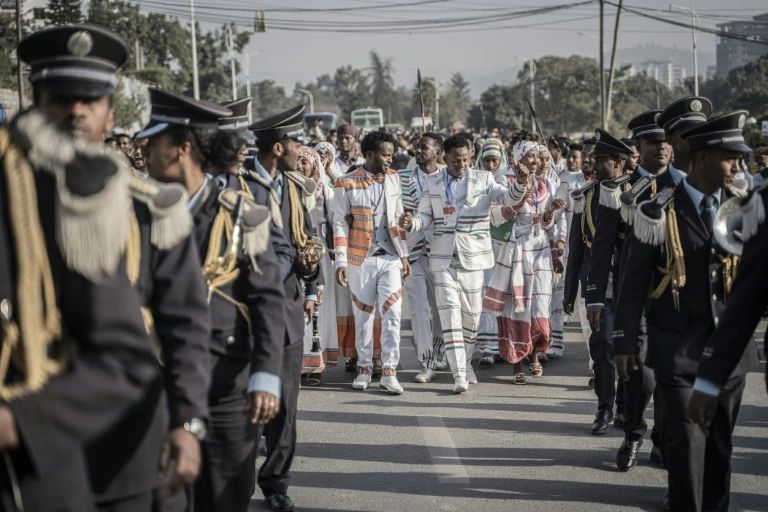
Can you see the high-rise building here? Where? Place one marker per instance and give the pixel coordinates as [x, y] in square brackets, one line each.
[668, 73]
[734, 53]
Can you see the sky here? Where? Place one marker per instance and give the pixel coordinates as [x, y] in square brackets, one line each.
[489, 50]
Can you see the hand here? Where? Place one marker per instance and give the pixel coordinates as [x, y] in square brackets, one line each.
[558, 266]
[9, 436]
[309, 309]
[349, 219]
[560, 248]
[522, 174]
[595, 317]
[567, 307]
[406, 269]
[306, 262]
[555, 205]
[320, 297]
[183, 448]
[701, 410]
[263, 406]
[406, 219]
[341, 276]
[626, 365]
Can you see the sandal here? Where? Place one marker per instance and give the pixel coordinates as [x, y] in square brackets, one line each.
[351, 364]
[314, 379]
[520, 379]
[536, 370]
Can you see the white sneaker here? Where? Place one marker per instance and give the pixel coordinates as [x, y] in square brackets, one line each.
[471, 377]
[425, 376]
[460, 385]
[391, 384]
[442, 364]
[362, 381]
[555, 352]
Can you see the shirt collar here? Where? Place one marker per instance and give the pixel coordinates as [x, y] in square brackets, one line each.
[697, 197]
[261, 170]
[676, 174]
[643, 172]
[196, 197]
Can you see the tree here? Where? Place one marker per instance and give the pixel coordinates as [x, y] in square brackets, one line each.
[268, 99]
[381, 81]
[64, 12]
[350, 89]
[130, 102]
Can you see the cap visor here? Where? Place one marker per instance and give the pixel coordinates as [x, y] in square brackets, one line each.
[653, 137]
[153, 131]
[738, 147]
[247, 136]
[77, 88]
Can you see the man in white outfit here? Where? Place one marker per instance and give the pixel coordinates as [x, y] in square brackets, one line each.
[457, 201]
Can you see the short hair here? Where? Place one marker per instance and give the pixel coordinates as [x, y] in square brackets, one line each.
[374, 139]
[436, 137]
[629, 142]
[575, 146]
[455, 141]
[468, 137]
[590, 141]
[109, 139]
[119, 136]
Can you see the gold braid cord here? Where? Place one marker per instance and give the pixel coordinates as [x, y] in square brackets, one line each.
[730, 268]
[297, 217]
[587, 216]
[246, 191]
[653, 188]
[674, 270]
[28, 344]
[221, 270]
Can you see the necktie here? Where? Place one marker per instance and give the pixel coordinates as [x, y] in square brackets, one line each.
[277, 184]
[708, 212]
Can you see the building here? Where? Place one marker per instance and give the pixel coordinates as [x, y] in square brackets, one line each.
[734, 53]
[668, 73]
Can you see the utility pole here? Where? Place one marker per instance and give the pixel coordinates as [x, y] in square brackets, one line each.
[195, 80]
[602, 65]
[231, 48]
[609, 95]
[695, 29]
[437, 106]
[19, 66]
[247, 71]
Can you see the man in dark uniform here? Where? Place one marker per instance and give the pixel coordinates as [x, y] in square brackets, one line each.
[80, 358]
[246, 299]
[164, 267]
[609, 157]
[672, 253]
[279, 139]
[678, 117]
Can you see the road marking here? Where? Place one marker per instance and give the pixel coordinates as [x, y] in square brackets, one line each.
[446, 463]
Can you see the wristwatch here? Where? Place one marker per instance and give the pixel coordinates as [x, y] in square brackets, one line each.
[197, 428]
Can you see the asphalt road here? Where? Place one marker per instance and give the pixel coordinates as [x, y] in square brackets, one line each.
[499, 447]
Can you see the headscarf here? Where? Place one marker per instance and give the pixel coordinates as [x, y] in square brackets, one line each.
[317, 168]
[326, 147]
[348, 129]
[522, 148]
[494, 147]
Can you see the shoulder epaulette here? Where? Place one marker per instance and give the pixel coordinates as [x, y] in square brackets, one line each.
[629, 199]
[167, 202]
[92, 200]
[609, 195]
[650, 221]
[578, 196]
[255, 223]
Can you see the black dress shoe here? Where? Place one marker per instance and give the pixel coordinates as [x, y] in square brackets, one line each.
[618, 420]
[626, 459]
[656, 456]
[280, 503]
[602, 420]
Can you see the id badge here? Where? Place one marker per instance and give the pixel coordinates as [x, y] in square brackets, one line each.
[449, 216]
[536, 226]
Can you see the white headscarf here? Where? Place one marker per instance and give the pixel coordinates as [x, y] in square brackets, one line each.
[522, 148]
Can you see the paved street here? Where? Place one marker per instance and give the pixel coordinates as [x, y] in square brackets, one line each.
[498, 447]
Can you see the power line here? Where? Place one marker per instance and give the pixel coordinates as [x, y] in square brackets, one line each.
[300, 9]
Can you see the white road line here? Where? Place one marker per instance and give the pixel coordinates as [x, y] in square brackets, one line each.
[446, 463]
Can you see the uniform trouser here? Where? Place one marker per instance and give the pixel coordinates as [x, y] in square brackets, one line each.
[698, 467]
[620, 397]
[581, 307]
[281, 431]
[423, 307]
[460, 302]
[379, 281]
[601, 353]
[638, 391]
[227, 479]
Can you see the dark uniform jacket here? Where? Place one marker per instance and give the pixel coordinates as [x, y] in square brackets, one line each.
[746, 304]
[112, 365]
[610, 232]
[676, 339]
[170, 284]
[295, 281]
[579, 252]
[260, 291]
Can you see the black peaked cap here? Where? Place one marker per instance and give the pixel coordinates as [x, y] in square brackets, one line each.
[685, 113]
[170, 109]
[724, 132]
[608, 145]
[285, 125]
[644, 127]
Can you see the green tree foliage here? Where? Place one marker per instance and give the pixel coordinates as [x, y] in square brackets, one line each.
[64, 12]
[350, 90]
[268, 99]
[128, 106]
[381, 82]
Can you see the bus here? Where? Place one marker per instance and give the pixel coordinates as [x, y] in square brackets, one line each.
[368, 118]
[327, 120]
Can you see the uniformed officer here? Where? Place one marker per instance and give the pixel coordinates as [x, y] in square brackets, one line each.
[77, 355]
[609, 157]
[671, 252]
[277, 182]
[163, 264]
[245, 295]
[678, 117]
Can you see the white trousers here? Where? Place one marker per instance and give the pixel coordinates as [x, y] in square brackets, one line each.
[581, 307]
[459, 295]
[423, 308]
[379, 281]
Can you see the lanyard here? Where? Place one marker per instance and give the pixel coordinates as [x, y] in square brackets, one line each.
[535, 195]
[418, 181]
[380, 187]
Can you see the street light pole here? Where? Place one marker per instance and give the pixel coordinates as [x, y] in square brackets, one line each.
[247, 71]
[695, 22]
[311, 99]
[231, 50]
[195, 80]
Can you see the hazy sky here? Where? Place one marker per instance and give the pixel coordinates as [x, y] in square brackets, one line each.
[494, 47]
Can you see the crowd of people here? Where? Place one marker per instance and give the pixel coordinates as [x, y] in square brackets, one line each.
[163, 297]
